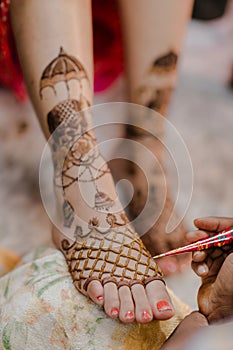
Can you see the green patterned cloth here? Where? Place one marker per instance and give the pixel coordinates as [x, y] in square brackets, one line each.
[41, 309]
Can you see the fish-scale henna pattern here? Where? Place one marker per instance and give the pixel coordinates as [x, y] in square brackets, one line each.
[121, 254]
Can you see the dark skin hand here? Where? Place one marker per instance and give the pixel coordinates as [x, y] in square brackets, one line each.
[215, 267]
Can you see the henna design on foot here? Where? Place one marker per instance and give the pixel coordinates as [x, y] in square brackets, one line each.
[122, 255]
[104, 247]
[80, 150]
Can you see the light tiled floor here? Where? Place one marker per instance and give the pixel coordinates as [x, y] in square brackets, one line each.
[202, 111]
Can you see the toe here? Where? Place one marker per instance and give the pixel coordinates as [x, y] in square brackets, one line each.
[143, 312]
[111, 300]
[168, 265]
[96, 292]
[126, 313]
[160, 301]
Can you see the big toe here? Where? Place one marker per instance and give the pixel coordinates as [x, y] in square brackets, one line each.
[160, 301]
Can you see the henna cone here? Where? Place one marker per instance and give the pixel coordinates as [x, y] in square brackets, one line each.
[219, 240]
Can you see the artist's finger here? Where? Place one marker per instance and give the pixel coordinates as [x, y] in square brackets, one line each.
[201, 270]
[212, 223]
[194, 236]
[199, 256]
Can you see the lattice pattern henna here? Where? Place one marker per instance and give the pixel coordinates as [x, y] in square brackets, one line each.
[121, 255]
[68, 113]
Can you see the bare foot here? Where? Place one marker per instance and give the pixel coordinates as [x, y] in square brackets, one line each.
[215, 267]
[117, 272]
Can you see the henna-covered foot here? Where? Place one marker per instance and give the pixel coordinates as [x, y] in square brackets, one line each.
[105, 256]
[215, 267]
[117, 272]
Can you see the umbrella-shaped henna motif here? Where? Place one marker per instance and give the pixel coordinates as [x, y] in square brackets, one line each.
[62, 69]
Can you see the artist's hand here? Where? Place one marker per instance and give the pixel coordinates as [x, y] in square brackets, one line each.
[215, 267]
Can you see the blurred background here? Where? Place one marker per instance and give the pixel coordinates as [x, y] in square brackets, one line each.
[201, 110]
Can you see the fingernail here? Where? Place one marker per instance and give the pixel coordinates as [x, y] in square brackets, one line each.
[163, 306]
[202, 270]
[196, 254]
[129, 315]
[100, 297]
[114, 311]
[146, 315]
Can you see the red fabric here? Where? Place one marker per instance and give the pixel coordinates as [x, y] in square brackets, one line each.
[107, 48]
[10, 73]
[108, 54]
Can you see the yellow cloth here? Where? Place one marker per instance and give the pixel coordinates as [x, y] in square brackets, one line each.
[41, 309]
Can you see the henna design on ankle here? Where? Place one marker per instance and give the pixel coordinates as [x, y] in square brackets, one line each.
[165, 64]
[63, 68]
[94, 230]
[156, 99]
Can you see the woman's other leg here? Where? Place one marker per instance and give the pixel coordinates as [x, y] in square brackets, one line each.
[153, 35]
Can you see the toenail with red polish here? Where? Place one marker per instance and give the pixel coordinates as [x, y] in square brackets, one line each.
[129, 315]
[100, 297]
[114, 311]
[146, 315]
[163, 306]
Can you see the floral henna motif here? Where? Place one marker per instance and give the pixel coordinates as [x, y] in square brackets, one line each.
[76, 147]
[93, 224]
